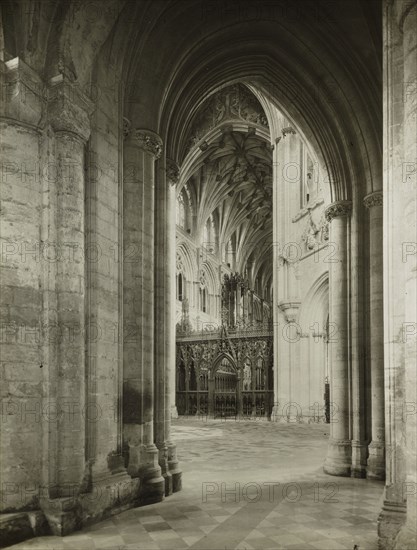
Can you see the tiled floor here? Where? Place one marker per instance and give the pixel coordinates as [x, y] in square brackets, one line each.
[246, 485]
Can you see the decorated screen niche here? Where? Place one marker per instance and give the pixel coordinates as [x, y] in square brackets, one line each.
[225, 376]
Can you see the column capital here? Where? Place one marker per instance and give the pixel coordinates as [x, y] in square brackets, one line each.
[148, 141]
[373, 199]
[127, 127]
[338, 209]
[288, 130]
[173, 172]
[22, 91]
[69, 109]
[290, 309]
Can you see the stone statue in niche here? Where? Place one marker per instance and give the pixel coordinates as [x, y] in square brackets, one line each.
[247, 376]
[325, 230]
[310, 234]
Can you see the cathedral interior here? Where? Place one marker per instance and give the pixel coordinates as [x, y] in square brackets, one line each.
[208, 274]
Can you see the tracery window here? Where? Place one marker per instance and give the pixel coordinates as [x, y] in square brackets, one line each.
[309, 179]
[204, 297]
[180, 287]
[180, 213]
[180, 280]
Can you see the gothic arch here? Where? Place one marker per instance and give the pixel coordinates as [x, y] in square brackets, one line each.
[313, 358]
[298, 75]
[188, 261]
[315, 306]
[218, 360]
[211, 278]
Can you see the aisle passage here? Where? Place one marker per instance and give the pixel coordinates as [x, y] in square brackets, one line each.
[246, 485]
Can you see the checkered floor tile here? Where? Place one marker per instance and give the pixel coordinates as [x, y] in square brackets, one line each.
[246, 486]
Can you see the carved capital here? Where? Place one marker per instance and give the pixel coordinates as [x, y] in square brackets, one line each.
[148, 141]
[288, 130]
[69, 109]
[127, 127]
[338, 209]
[203, 146]
[173, 172]
[290, 310]
[373, 199]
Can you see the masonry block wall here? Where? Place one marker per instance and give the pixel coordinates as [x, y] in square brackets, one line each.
[78, 306]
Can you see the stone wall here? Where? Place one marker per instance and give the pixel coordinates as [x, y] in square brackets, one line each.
[302, 256]
[78, 296]
[397, 522]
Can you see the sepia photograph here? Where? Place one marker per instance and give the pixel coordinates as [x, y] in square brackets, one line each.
[208, 277]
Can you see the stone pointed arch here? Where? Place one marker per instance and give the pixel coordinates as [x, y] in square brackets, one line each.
[316, 301]
[217, 362]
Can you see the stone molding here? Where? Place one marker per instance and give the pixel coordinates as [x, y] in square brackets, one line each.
[69, 109]
[290, 309]
[23, 93]
[288, 130]
[311, 206]
[173, 172]
[127, 127]
[403, 11]
[231, 104]
[373, 199]
[27, 100]
[148, 141]
[338, 209]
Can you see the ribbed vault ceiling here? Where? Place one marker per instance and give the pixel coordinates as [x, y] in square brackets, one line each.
[232, 179]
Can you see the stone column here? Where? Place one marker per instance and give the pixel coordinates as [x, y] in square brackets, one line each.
[376, 460]
[286, 175]
[360, 390]
[338, 459]
[288, 409]
[27, 219]
[397, 520]
[407, 538]
[141, 149]
[165, 322]
[172, 173]
[68, 114]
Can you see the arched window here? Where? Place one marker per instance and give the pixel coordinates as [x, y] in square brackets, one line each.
[203, 299]
[180, 290]
[204, 295]
[309, 179]
[180, 213]
[180, 287]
